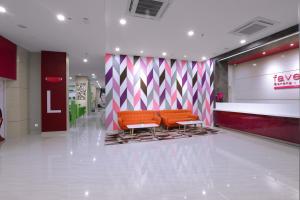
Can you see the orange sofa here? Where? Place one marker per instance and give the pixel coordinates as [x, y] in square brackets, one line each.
[137, 117]
[170, 117]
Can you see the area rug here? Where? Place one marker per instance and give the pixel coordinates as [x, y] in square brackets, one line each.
[144, 135]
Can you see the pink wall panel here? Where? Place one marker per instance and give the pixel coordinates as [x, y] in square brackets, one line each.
[8, 59]
[53, 74]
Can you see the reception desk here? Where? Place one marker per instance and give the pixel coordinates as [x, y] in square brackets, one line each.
[278, 121]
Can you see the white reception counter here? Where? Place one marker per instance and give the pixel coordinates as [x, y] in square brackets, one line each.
[280, 110]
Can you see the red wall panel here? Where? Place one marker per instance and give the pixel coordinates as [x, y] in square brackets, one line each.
[54, 67]
[282, 128]
[8, 59]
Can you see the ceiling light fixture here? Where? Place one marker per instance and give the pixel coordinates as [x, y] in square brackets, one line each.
[141, 51]
[22, 26]
[191, 33]
[85, 60]
[292, 44]
[184, 56]
[117, 49]
[254, 64]
[61, 17]
[93, 75]
[204, 58]
[164, 53]
[70, 78]
[2, 9]
[123, 21]
[243, 41]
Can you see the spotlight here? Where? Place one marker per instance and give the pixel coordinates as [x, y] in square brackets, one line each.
[123, 21]
[61, 17]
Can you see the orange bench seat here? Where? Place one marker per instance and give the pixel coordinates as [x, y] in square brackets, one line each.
[137, 117]
[171, 117]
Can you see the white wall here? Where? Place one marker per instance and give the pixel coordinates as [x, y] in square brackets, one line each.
[94, 99]
[17, 98]
[255, 84]
[34, 92]
[2, 107]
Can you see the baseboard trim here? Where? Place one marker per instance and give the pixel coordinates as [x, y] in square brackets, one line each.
[55, 133]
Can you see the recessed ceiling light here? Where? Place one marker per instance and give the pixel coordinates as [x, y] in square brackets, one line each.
[254, 64]
[243, 41]
[164, 53]
[191, 33]
[70, 78]
[184, 56]
[141, 51]
[85, 20]
[117, 49]
[204, 58]
[2, 9]
[292, 44]
[264, 53]
[123, 21]
[93, 74]
[85, 60]
[61, 17]
[86, 193]
[22, 26]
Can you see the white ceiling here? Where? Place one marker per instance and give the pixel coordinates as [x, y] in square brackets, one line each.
[214, 18]
[44, 32]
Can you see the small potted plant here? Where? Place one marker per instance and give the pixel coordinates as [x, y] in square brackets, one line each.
[219, 97]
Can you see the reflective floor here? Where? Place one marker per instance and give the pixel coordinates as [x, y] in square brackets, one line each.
[228, 165]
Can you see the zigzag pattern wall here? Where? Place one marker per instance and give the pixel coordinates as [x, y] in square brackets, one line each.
[147, 83]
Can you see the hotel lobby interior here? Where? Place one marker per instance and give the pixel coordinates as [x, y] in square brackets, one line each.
[149, 99]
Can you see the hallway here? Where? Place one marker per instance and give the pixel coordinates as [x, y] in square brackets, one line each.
[79, 166]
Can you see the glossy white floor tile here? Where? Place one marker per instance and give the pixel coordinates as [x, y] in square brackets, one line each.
[225, 166]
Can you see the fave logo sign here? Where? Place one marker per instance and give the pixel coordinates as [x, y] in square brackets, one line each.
[286, 80]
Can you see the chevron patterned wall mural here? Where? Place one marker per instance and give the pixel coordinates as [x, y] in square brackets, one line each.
[147, 83]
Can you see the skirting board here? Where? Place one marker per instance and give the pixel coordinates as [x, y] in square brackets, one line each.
[55, 133]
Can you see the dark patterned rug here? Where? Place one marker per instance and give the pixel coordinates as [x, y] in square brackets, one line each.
[144, 135]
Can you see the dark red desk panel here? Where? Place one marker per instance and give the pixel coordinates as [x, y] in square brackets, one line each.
[282, 128]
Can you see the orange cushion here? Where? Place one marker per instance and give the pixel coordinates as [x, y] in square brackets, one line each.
[139, 122]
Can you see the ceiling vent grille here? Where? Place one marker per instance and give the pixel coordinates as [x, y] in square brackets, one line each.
[150, 9]
[254, 26]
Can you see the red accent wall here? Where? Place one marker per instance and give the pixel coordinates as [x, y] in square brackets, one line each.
[282, 128]
[54, 64]
[8, 59]
[256, 55]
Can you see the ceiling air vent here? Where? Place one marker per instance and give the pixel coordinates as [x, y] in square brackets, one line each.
[150, 9]
[254, 26]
